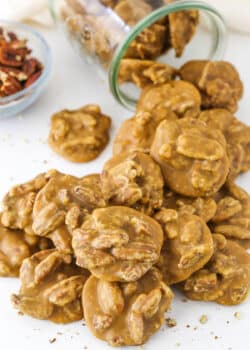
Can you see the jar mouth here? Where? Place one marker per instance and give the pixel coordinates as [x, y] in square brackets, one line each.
[218, 49]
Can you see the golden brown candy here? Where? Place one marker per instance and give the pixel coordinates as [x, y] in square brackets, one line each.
[133, 180]
[79, 135]
[244, 243]
[51, 287]
[126, 313]
[137, 133]
[76, 6]
[192, 157]
[237, 135]
[109, 3]
[132, 13]
[232, 217]
[226, 277]
[117, 244]
[13, 250]
[143, 72]
[94, 35]
[182, 28]
[63, 198]
[149, 44]
[179, 97]
[218, 82]
[19, 201]
[97, 32]
[188, 245]
[202, 207]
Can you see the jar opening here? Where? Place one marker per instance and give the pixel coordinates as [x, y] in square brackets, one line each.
[214, 44]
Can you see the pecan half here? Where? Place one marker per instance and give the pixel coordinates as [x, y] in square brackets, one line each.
[9, 85]
[17, 69]
[12, 57]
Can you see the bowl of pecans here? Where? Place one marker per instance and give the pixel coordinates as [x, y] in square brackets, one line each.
[25, 65]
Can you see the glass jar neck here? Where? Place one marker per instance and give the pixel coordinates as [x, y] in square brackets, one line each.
[217, 50]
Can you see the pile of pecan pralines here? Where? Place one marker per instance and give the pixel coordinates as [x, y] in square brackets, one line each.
[164, 211]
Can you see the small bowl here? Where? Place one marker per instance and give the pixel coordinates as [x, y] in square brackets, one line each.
[16, 103]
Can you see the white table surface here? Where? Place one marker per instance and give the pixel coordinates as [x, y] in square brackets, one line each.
[24, 153]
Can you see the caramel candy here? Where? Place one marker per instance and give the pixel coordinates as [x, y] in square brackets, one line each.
[192, 157]
[13, 250]
[244, 243]
[117, 244]
[132, 13]
[188, 245]
[232, 217]
[65, 199]
[51, 287]
[133, 180]
[137, 133]
[94, 33]
[143, 72]
[179, 97]
[226, 277]
[126, 313]
[219, 83]
[149, 44]
[237, 135]
[15, 246]
[76, 7]
[79, 135]
[19, 201]
[205, 208]
[109, 3]
[182, 27]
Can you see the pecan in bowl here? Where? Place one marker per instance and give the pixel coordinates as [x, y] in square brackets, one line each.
[25, 65]
[18, 69]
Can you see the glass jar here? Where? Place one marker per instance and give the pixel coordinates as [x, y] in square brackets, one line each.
[166, 31]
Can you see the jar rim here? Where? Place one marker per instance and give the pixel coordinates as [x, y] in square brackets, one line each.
[180, 5]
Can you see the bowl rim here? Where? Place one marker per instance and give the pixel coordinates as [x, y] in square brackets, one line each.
[47, 65]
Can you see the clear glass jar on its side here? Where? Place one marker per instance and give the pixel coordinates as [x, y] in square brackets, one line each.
[171, 32]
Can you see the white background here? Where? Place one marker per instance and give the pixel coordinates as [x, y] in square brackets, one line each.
[24, 153]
